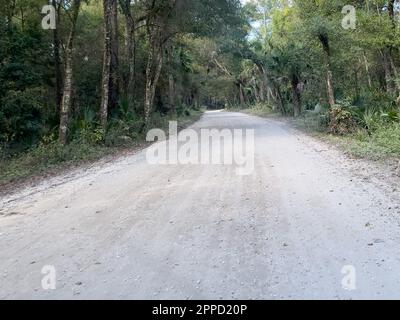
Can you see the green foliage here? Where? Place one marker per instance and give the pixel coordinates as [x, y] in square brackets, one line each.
[27, 70]
[303, 39]
[20, 116]
[387, 137]
[85, 147]
[23, 73]
[384, 142]
[370, 119]
[390, 116]
[45, 156]
[220, 54]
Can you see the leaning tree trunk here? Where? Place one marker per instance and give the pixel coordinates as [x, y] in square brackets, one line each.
[264, 83]
[153, 71]
[156, 27]
[159, 63]
[323, 38]
[329, 83]
[68, 82]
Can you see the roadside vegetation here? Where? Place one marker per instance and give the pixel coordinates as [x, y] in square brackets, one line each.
[111, 70]
[339, 82]
[375, 136]
[49, 156]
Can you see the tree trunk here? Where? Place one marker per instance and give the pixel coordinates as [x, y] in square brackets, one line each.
[109, 96]
[391, 12]
[397, 80]
[391, 48]
[329, 77]
[147, 99]
[153, 71]
[264, 88]
[367, 70]
[390, 85]
[356, 85]
[389, 51]
[262, 92]
[171, 93]
[280, 99]
[395, 73]
[171, 82]
[106, 77]
[241, 95]
[329, 82]
[57, 58]
[159, 62]
[130, 52]
[296, 95]
[114, 56]
[157, 31]
[68, 83]
[255, 90]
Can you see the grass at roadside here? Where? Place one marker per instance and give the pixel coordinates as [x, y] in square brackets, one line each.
[383, 143]
[49, 157]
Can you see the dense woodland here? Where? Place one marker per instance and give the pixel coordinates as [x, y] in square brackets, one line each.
[107, 62]
[111, 69]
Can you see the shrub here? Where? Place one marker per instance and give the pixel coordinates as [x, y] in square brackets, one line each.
[183, 110]
[342, 120]
[390, 116]
[118, 134]
[369, 119]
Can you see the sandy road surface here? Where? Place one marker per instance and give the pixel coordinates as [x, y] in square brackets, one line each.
[131, 230]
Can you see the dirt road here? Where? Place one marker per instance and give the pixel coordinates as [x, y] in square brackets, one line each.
[131, 230]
